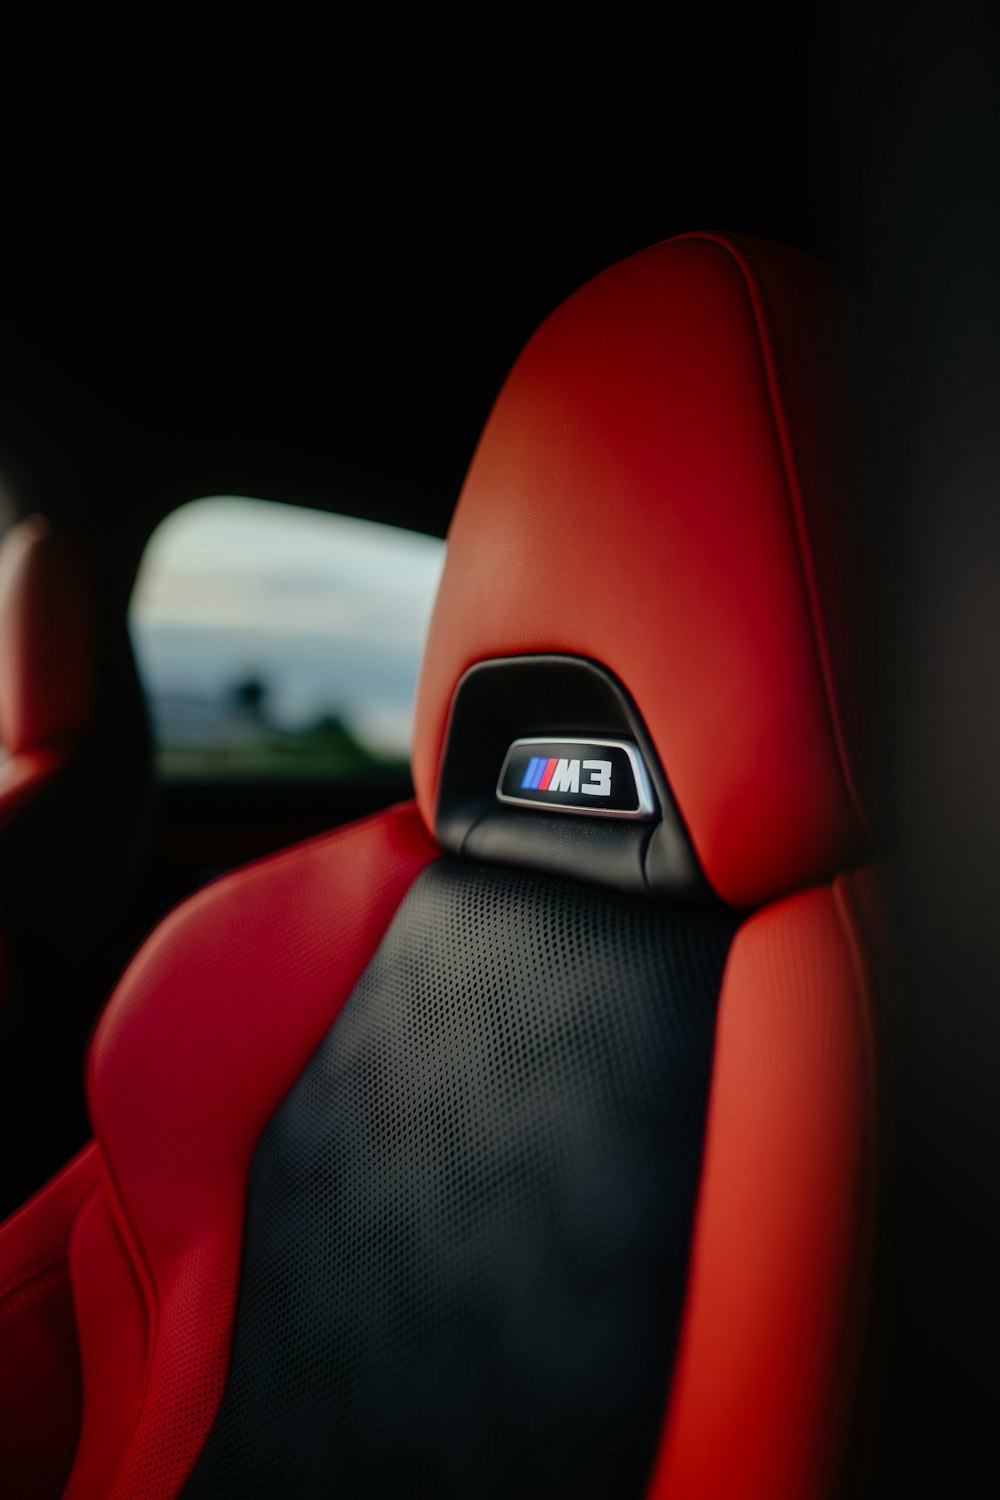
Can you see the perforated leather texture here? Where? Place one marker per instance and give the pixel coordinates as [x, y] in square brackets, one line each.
[468, 1225]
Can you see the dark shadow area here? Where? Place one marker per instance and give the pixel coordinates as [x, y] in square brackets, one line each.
[916, 166]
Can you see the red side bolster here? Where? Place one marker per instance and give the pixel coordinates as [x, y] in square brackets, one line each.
[113, 1335]
[778, 1279]
[39, 1359]
[209, 1029]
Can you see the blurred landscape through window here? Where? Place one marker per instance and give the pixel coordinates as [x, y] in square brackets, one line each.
[277, 641]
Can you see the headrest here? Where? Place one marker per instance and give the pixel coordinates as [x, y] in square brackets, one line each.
[48, 638]
[663, 490]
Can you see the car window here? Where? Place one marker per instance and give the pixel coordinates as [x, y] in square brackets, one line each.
[276, 641]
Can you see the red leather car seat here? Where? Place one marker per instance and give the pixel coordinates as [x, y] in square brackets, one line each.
[71, 789]
[483, 1146]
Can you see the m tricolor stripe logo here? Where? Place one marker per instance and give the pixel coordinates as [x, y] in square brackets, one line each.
[539, 773]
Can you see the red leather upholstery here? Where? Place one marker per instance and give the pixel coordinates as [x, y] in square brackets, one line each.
[778, 1286]
[209, 1030]
[113, 1332]
[654, 488]
[39, 1357]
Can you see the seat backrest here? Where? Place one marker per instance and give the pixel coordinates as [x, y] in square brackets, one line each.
[520, 1143]
[69, 831]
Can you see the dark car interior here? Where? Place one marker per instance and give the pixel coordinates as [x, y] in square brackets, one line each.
[244, 377]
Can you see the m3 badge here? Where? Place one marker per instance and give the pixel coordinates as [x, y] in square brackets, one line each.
[598, 778]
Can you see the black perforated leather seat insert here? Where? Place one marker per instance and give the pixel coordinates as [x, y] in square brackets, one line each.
[468, 1224]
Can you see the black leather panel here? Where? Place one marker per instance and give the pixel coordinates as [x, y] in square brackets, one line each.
[468, 1225]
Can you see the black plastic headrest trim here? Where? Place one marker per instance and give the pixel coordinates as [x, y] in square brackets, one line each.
[551, 698]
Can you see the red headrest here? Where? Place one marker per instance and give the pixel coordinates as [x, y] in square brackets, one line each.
[47, 638]
[663, 487]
